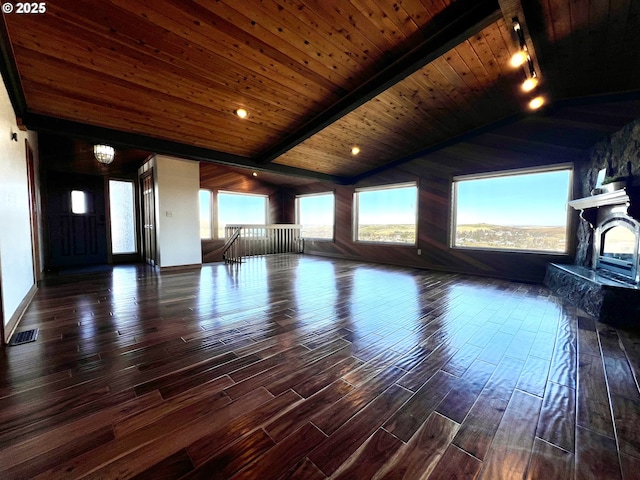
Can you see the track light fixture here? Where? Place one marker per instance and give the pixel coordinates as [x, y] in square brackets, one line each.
[523, 58]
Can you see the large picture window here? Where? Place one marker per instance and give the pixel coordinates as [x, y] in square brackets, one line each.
[386, 214]
[517, 210]
[316, 215]
[241, 209]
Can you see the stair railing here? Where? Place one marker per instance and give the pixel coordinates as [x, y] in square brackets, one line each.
[251, 240]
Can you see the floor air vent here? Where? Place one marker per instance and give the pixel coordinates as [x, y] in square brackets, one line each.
[27, 336]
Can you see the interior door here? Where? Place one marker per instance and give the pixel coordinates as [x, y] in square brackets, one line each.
[148, 217]
[76, 220]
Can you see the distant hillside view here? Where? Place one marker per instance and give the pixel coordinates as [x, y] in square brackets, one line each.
[484, 235]
[317, 231]
[392, 233]
[479, 235]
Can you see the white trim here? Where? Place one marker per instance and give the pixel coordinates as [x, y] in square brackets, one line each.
[319, 194]
[387, 187]
[516, 171]
[617, 197]
[13, 322]
[241, 193]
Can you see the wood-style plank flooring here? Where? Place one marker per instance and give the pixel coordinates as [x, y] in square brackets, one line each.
[303, 367]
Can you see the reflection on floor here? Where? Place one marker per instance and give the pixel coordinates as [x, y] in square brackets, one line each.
[303, 367]
[79, 270]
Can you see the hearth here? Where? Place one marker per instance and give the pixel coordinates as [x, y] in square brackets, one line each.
[608, 288]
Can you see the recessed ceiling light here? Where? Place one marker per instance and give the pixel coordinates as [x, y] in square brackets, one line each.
[536, 103]
[241, 113]
[355, 150]
[255, 174]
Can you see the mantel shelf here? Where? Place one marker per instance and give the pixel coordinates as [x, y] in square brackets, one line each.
[617, 197]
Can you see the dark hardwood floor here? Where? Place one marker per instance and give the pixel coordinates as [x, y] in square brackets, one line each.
[303, 367]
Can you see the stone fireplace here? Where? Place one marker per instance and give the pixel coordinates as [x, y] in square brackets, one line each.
[616, 237]
[605, 279]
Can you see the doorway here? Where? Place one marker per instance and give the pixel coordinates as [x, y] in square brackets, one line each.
[76, 220]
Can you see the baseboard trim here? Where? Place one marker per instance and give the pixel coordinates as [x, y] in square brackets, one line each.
[12, 325]
[177, 268]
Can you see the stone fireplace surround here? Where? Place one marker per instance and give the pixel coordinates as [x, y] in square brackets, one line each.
[609, 291]
[601, 296]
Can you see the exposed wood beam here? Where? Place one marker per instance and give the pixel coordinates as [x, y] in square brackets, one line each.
[459, 22]
[542, 114]
[435, 148]
[93, 133]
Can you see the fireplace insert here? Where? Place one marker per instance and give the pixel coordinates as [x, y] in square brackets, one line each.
[616, 247]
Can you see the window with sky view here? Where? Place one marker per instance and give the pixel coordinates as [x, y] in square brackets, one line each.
[525, 211]
[316, 215]
[241, 209]
[387, 214]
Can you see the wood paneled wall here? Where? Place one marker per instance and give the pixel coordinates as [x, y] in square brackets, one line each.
[566, 136]
[503, 149]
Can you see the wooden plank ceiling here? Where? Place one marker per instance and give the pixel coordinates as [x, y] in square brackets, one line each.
[317, 77]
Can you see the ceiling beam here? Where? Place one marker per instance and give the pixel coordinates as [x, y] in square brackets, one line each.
[460, 21]
[434, 148]
[95, 134]
[544, 113]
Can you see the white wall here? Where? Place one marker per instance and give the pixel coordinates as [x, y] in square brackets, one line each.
[177, 211]
[16, 261]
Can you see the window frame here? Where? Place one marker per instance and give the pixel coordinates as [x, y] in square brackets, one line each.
[393, 186]
[333, 226]
[510, 173]
[136, 233]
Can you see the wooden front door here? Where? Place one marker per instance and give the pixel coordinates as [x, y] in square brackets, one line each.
[77, 229]
[148, 217]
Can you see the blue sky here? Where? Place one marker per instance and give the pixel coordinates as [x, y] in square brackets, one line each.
[316, 210]
[241, 209]
[397, 206]
[533, 199]
[538, 199]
